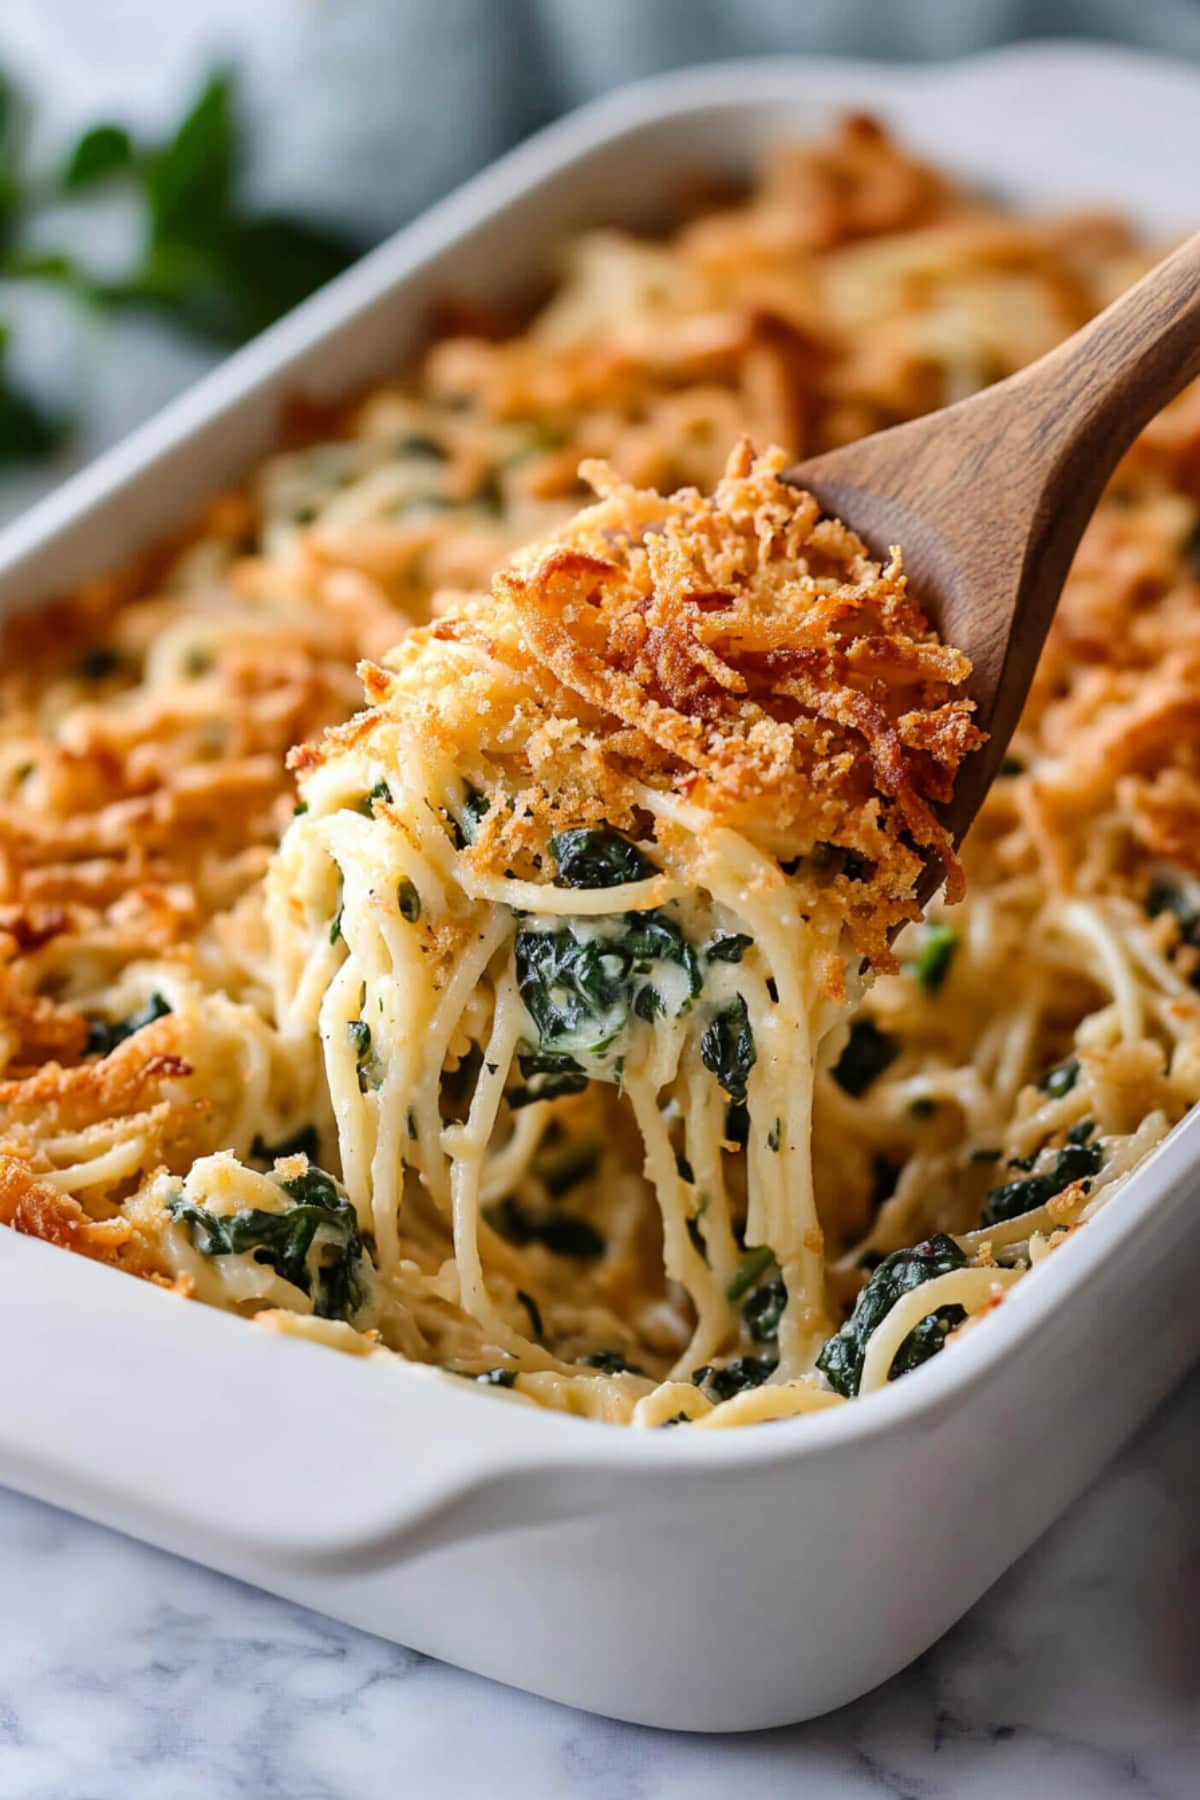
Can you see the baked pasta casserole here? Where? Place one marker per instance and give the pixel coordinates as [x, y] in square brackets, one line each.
[562, 1020]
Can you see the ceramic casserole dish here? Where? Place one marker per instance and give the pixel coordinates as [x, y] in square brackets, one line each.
[714, 1581]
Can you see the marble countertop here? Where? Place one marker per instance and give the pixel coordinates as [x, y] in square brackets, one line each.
[126, 1674]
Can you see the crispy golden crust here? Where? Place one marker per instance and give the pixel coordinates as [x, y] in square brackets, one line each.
[41, 1210]
[739, 651]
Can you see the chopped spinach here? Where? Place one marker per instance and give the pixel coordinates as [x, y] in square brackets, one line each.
[419, 443]
[381, 791]
[1080, 1133]
[502, 1378]
[867, 1054]
[1074, 1162]
[932, 964]
[98, 663]
[581, 984]
[546, 1078]
[409, 901]
[727, 1048]
[754, 1263]
[764, 1308]
[1059, 1081]
[728, 946]
[610, 1362]
[737, 1123]
[1165, 896]
[466, 826]
[105, 1034]
[335, 926]
[315, 1243]
[596, 856]
[735, 1377]
[565, 1234]
[562, 1167]
[301, 1143]
[370, 1069]
[841, 1360]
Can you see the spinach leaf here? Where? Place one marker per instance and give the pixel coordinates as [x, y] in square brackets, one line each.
[466, 826]
[610, 1362]
[764, 1308]
[580, 984]
[867, 1054]
[27, 431]
[727, 1048]
[105, 1034]
[727, 946]
[381, 791]
[546, 1078]
[563, 1166]
[98, 663]
[596, 856]
[1165, 896]
[370, 1068]
[1074, 1162]
[301, 1143]
[735, 1377]
[754, 1263]
[565, 1234]
[841, 1360]
[315, 1243]
[1059, 1081]
[932, 964]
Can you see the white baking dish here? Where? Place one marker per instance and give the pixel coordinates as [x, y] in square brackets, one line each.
[715, 1581]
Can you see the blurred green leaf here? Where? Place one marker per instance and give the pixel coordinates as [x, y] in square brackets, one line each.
[189, 181]
[208, 265]
[102, 152]
[14, 125]
[27, 432]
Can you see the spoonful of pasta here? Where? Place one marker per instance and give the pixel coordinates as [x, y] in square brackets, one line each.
[989, 497]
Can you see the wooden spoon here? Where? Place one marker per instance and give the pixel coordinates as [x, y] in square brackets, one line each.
[988, 498]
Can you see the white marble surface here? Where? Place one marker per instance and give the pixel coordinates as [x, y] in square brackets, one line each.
[126, 1674]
